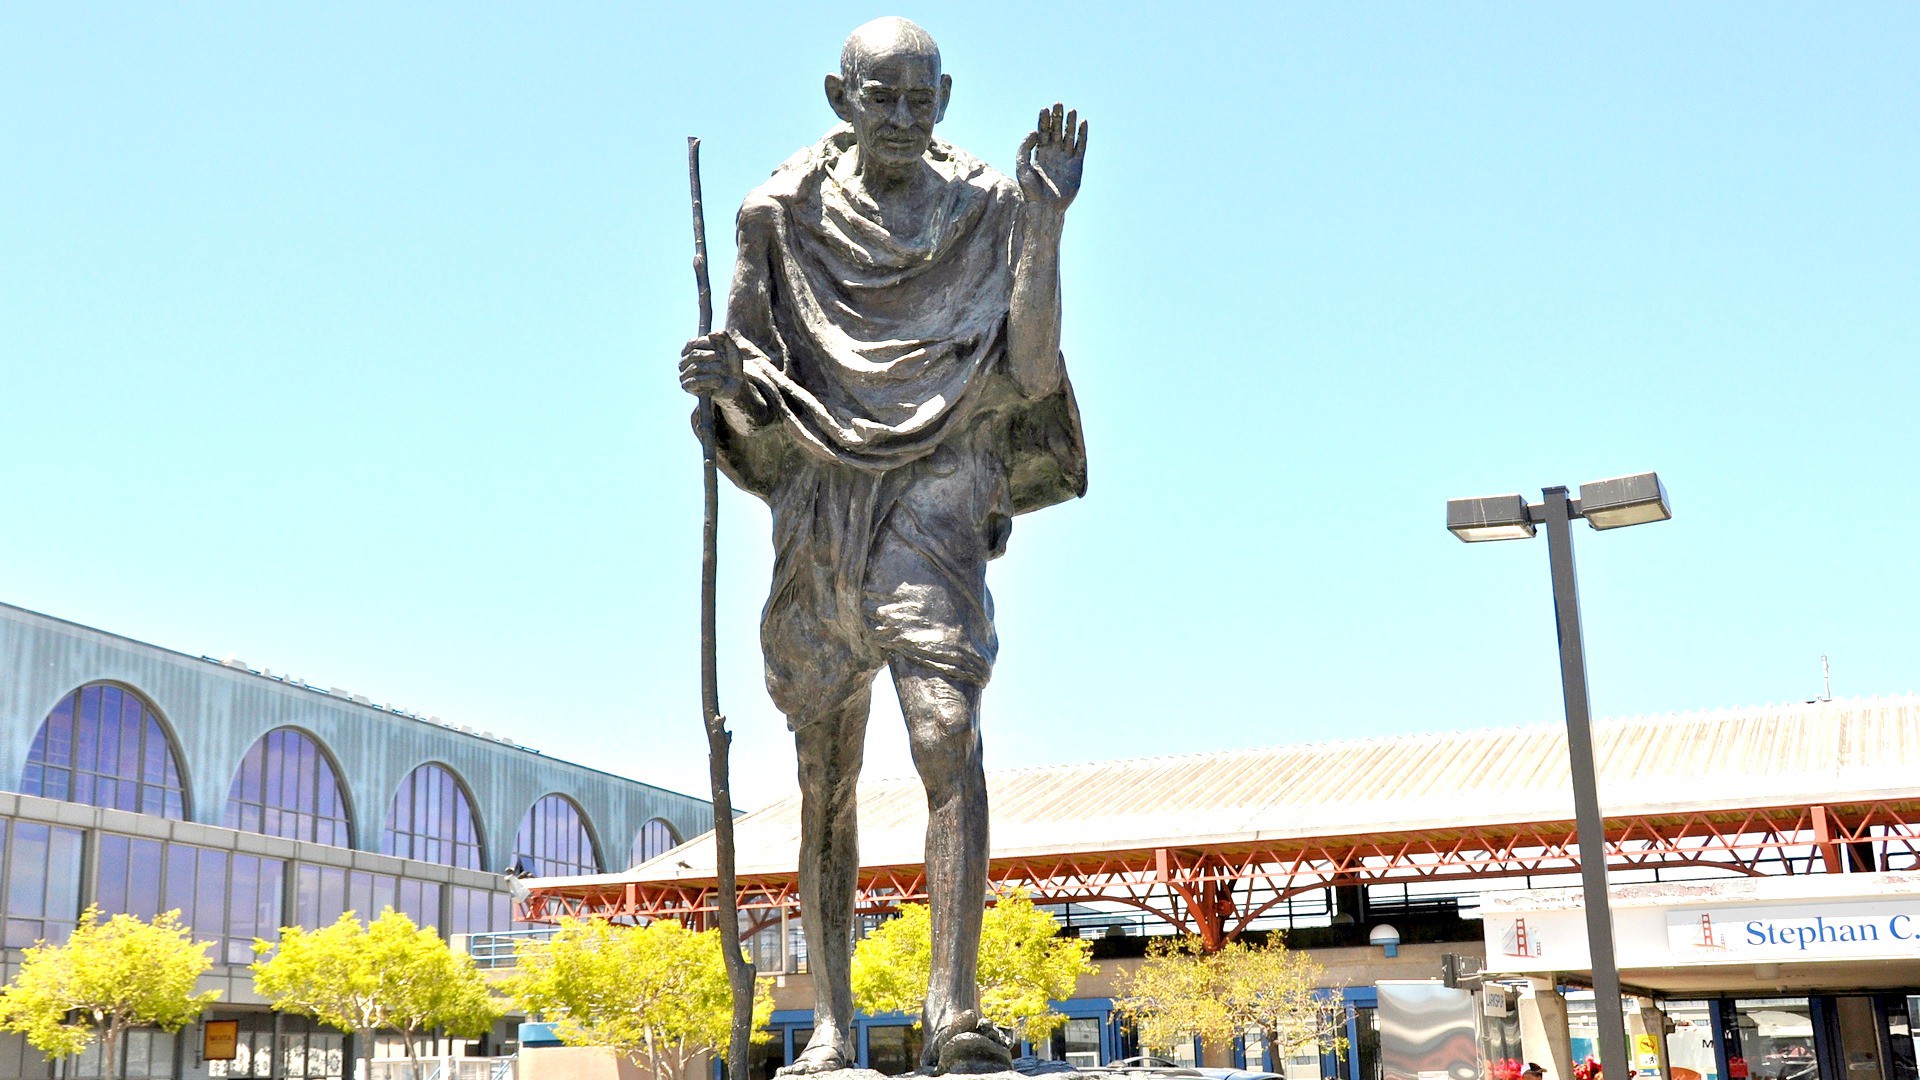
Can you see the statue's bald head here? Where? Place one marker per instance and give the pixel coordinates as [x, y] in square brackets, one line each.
[891, 91]
[889, 36]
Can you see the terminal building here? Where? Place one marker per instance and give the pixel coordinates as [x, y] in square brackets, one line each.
[1767, 905]
[1765, 899]
[141, 780]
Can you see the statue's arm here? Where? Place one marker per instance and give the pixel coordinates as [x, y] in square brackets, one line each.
[750, 311]
[1048, 165]
[1033, 317]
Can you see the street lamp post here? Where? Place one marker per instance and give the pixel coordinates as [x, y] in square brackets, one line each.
[1605, 504]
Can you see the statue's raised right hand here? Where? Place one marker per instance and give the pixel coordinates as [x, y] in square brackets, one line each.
[713, 364]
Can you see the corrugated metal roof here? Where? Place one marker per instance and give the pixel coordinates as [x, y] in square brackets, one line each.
[1828, 752]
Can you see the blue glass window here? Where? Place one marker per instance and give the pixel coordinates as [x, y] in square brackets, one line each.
[105, 746]
[228, 899]
[42, 883]
[287, 787]
[479, 911]
[432, 820]
[655, 838]
[553, 840]
[321, 893]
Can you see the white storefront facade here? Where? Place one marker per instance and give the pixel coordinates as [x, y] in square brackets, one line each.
[1805, 977]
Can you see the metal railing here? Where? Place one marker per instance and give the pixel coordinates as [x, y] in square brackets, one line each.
[446, 1068]
[490, 951]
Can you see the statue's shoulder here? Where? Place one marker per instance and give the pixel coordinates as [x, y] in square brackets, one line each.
[963, 167]
[794, 178]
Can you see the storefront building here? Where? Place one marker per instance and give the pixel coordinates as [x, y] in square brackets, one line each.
[1376, 856]
[1815, 976]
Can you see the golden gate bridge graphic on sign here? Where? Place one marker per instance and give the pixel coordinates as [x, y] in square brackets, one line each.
[1517, 941]
[1709, 939]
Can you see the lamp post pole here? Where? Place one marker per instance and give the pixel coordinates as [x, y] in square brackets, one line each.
[1603, 504]
[1558, 515]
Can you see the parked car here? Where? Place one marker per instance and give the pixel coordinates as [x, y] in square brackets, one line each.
[1147, 1065]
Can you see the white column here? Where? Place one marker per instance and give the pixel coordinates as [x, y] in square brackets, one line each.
[1544, 1035]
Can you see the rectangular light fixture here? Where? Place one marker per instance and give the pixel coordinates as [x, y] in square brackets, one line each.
[1490, 517]
[1624, 500]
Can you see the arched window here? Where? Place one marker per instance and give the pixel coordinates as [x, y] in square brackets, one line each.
[105, 746]
[287, 787]
[656, 837]
[432, 820]
[553, 840]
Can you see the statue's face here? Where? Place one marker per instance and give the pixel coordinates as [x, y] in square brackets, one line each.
[900, 96]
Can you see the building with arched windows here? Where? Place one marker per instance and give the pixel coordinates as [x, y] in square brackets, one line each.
[142, 780]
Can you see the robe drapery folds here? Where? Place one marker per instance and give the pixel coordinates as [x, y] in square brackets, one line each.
[879, 346]
[894, 448]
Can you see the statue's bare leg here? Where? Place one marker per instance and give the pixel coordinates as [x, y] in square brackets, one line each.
[943, 722]
[830, 746]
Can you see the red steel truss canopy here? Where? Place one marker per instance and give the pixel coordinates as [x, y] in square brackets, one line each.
[1211, 843]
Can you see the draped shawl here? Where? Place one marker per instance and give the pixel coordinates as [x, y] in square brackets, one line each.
[879, 345]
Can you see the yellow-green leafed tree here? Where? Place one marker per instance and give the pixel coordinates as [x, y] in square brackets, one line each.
[1181, 991]
[387, 974]
[1275, 990]
[657, 994]
[1024, 966]
[108, 977]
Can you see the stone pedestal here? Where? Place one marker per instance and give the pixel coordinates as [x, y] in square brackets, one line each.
[582, 1063]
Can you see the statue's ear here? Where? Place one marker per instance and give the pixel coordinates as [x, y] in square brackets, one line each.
[946, 92]
[837, 98]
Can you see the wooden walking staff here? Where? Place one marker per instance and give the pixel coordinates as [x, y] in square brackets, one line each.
[740, 974]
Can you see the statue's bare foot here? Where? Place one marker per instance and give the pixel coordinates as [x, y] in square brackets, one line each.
[971, 1044]
[816, 1058]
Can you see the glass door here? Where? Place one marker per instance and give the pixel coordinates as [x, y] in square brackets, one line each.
[1859, 1022]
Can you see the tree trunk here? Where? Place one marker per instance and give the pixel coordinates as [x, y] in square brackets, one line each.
[108, 1045]
[366, 1054]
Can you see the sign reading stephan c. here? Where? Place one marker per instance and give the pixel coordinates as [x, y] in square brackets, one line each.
[1850, 929]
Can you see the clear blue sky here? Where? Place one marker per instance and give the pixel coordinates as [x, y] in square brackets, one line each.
[341, 338]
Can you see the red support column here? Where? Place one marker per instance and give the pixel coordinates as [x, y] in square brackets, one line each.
[1823, 838]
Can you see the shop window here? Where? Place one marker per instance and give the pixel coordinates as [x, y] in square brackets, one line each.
[42, 888]
[105, 746]
[432, 820]
[1690, 1053]
[1775, 1040]
[765, 1058]
[421, 1056]
[553, 840]
[1583, 1024]
[1363, 1044]
[654, 839]
[287, 786]
[893, 1049]
[1076, 1042]
[144, 1054]
[303, 1050]
[316, 1055]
